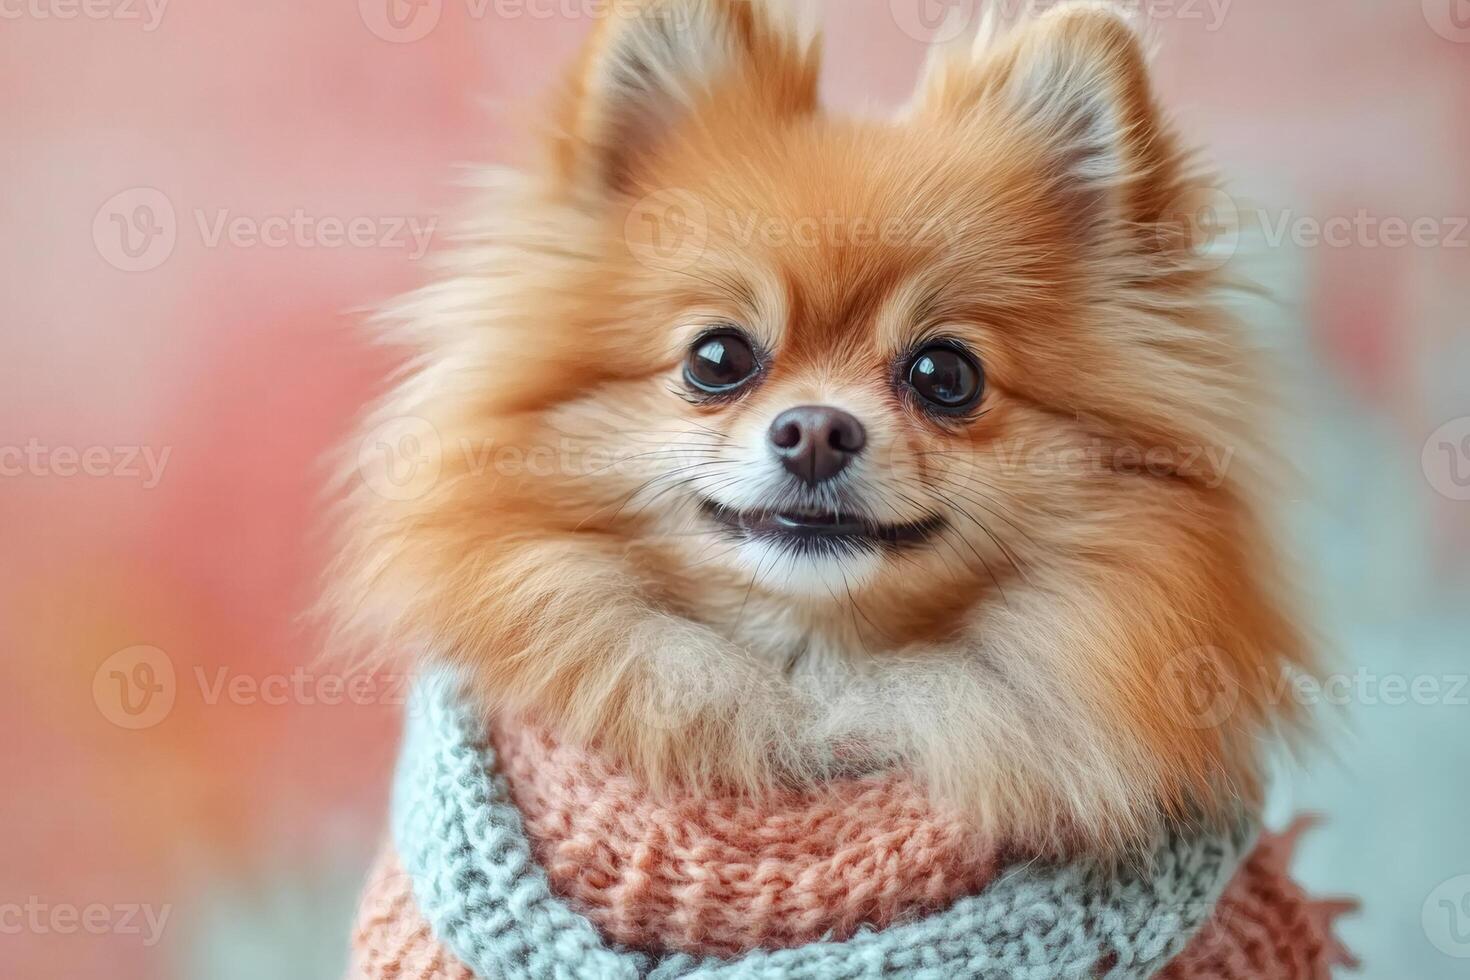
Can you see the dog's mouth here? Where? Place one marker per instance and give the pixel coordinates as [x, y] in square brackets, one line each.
[800, 527]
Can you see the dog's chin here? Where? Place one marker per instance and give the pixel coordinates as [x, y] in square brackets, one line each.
[816, 553]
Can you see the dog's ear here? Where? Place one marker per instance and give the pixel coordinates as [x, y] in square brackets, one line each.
[655, 65]
[1075, 81]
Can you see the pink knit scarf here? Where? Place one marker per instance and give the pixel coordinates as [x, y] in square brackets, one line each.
[711, 876]
[715, 875]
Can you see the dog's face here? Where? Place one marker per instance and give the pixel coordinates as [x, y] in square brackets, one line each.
[834, 358]
[824, 368]
[864, 357]
[917, 440]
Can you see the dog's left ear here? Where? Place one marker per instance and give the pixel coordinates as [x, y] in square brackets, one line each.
[1075, 80]
[656, 65]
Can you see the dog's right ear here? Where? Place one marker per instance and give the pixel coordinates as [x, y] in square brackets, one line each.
[655, 65]
[1075, 80]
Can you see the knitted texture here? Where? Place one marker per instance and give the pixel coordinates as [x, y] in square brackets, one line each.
[462, 843]
[720, 876]
[391, 940]
[1264, 928]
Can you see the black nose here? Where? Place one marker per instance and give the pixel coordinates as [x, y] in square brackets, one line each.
[815, 442]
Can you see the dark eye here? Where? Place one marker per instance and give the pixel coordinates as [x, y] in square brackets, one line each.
[720, 362]
[947, 378]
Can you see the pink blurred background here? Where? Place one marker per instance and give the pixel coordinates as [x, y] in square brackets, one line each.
[202, 383]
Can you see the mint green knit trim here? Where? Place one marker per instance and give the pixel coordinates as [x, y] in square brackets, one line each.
[461, 839]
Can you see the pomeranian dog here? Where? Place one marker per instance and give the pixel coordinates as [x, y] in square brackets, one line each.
[771, 445]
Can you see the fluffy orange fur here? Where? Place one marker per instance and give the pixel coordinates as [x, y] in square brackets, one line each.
[1036, 661]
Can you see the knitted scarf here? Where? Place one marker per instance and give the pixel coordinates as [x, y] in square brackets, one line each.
[517, 857]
